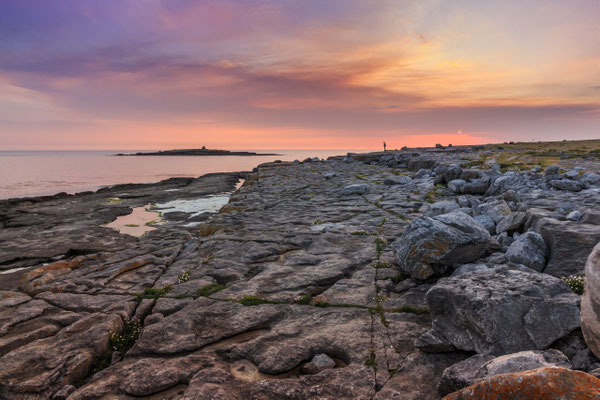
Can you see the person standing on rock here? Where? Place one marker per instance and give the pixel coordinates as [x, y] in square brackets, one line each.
[384, 145]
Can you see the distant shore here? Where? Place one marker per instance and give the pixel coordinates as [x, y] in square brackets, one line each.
[198, 152]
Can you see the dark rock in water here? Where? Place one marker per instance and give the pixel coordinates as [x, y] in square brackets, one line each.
[479, 367]
[428, 246]
[590, 302]
[473, 311]
[530, 250]
[569, 244]
[546, 383]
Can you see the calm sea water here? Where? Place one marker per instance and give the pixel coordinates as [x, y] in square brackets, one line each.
[35, 173]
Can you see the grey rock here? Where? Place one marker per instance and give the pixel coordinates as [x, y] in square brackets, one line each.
[574, 216]
[452, 173]
[441, 207]
[528, 249]
[433, 342]
[319, 363]
[590, 302]
[495, 209]
[502, 310]
[569, 244]
[479, 367]
[572, 174]
[456, 185]
[356, 189]
[329, 175]
[511, 222]
[509, 181]
[428, 246]
[476, 186]
[590, 178]
[567, 184]
[487, 222]
[64, 392]
[552, 170]
[422, 173]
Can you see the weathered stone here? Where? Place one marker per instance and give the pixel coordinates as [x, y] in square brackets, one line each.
[357, 188]
[479, 367]
[473, 311]
[547, 383]
[530, 250]
[511, 222]
[569, 245]
[428, 246]
[495, 209]
[566, 184]
[574, 216]
[456, 185]
[590, 302]
[487, 222]
[441, 207]
[319, 362]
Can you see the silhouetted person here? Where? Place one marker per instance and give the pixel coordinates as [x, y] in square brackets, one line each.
[384, 146]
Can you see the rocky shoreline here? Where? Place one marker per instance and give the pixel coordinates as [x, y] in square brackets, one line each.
[411, 274]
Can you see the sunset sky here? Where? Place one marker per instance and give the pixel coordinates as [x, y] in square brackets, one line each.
[280, 74]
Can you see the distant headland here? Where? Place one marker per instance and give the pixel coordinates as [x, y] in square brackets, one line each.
[198, 152]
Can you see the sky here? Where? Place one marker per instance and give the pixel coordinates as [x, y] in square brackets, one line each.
[296, 74]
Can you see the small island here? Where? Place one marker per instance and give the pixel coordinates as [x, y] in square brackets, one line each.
[198, 152]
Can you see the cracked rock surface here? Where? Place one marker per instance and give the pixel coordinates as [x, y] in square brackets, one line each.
[295, 269]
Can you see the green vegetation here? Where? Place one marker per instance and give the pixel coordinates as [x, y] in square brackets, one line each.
[207, 259]
[132, 226]
[576, 283]
[306, 299]
[153, 293]
[255, 301]
[209, 289]
[381, 264]
[371, 361]
[410, 310]
[184, 277]
[119, 342]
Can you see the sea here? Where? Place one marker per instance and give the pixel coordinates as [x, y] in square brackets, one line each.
[39, 173]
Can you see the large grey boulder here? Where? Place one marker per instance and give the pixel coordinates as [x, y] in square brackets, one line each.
[479, 367]
[529, 249]
[428, 246]
[476, 186]
[502, 310]
[569, 244]
[590, 302]
[487, 223]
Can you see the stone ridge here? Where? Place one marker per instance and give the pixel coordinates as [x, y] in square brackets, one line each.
[291, 291]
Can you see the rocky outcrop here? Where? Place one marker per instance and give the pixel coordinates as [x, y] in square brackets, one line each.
[429, 246]
[479, 367]
[502, 310]
[569, 244]
[590, 302]
[529, 250]
[547, 383]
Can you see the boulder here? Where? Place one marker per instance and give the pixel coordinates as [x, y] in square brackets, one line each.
[428, 246]
[487, 223]
[422, 162]
[479, 367]
[569, 245]
[590, 178]
[357, 188]
[566, 184]
[495, 209]
[511, 222]
[590, 302]
[476, 186]
[529, 249]
[502, 309]
[422, 173]
[546, 383]
[319, 363]
[509, 181]
[441, 207]
[552, 170]
[574, 216]
[456, 185]
[453, 172]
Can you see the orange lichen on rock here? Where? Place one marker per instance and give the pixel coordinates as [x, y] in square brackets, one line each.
[547, 383]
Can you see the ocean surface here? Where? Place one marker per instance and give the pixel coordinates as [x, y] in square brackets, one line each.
[37, 173]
